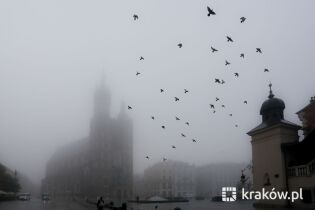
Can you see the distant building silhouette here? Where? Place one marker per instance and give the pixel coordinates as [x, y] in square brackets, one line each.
[280, 160]
[170, 179]
[98, 165]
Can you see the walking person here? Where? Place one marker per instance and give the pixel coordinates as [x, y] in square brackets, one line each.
[100, 203]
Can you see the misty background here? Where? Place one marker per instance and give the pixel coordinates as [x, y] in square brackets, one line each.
[54, 53]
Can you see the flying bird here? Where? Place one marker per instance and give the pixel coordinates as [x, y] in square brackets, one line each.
[229, 39]
[161, 90]
[245, 102]
[194, 140]
[236, 74]
[152, 117]
[213, 111]
[177, 118]
[135, 17]
[217, 81]
[164, 159]
[180, 45]
[183, 135]
[214, 50]
[242, 55]
[210, 11]
[163, 126]
[217, 99]
[173, 146]
[230, 115]
[147, 157]
[187, 123]
[222, 81]
[236, 125]
[223, 106]
[266, 70]
[258, 50]
[141, 58]
[227, 63]
[176, 99]
[243, 19]
[211, 106]
[129, 107]
[186, 91]
[137, 73]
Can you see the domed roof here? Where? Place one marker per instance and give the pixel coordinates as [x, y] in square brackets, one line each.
[272, 104]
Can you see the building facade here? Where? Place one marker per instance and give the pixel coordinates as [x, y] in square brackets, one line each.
[98, 165]
[170, 179]
[278, 155]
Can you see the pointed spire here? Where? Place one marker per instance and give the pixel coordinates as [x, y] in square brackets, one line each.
[271, 95]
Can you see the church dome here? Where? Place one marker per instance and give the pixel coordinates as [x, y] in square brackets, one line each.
[272, 109]
[272, 104]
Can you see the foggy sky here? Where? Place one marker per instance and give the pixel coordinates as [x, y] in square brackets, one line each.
[53, 53]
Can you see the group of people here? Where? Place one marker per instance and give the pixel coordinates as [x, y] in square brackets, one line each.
[100, 204]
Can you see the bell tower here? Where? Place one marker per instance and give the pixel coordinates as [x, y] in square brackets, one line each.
[269, 164]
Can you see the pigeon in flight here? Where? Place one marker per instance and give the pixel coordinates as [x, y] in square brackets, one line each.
[186, 91]
[236, 74]
[242, 55]
[217, 81]
[152, 117]
[210, 11]
[230, 115]
[258, 50]
[243, 19]
[211, 106]
[164, 159]
[135, 17]
[176, 99]
[236, 125]
[229, 39]
[187, 123]
[147, 157]
[177, 118]
[141, 58]
[223, 106]
[163, 126]
[222, 81]
[245, 102]
[129, 107]
[213, 111]
[180, 45]
[266, 70]
[214, 50]
[227, 63]
[138, 73]
[161, 90]
[173, 146]
[194, 140]
[217, 99]
[183, 135]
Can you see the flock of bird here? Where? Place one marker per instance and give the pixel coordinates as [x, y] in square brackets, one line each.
[212, 107]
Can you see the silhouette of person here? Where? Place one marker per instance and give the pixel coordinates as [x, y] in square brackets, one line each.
[100, 203]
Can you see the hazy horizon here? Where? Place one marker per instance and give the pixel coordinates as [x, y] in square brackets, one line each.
[53, 54]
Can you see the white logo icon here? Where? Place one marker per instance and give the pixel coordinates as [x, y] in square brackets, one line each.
[228, 194]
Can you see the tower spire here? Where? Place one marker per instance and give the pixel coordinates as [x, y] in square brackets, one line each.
[271, 95]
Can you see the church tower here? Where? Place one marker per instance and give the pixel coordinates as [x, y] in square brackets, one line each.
[269, 162]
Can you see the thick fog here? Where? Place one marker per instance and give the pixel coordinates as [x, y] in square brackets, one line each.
[54, 53]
